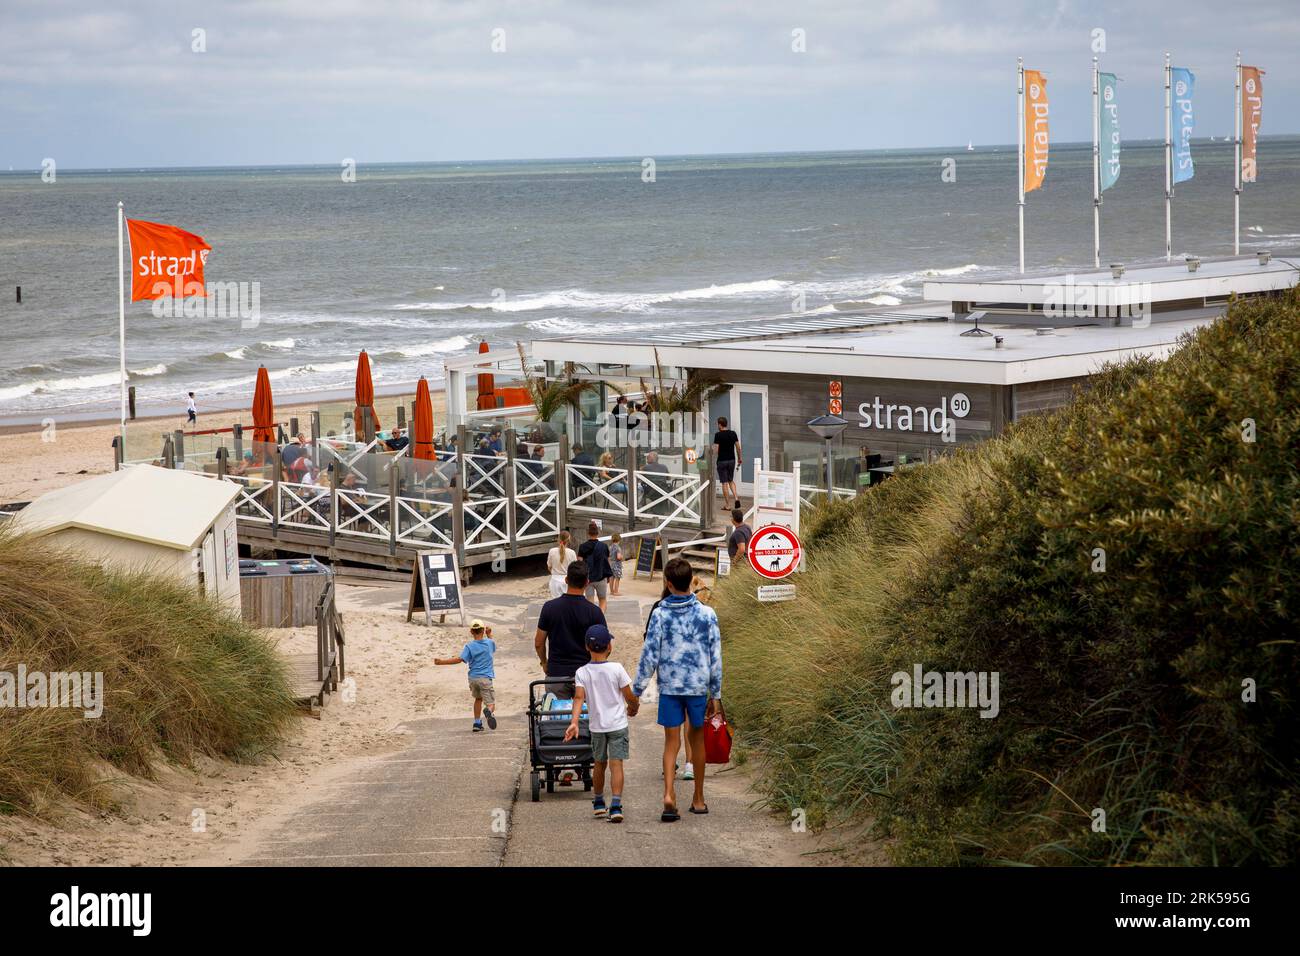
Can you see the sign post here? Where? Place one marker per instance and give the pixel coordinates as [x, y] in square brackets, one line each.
[774, 553]
[435, 586]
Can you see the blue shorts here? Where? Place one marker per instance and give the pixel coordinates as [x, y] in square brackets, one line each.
[675, 708]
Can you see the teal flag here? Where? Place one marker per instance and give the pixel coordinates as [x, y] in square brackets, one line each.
[1108, 141]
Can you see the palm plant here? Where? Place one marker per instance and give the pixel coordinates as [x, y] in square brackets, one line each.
[687, 398]
[550, 398]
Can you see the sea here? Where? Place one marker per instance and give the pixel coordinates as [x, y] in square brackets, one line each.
[417, 262]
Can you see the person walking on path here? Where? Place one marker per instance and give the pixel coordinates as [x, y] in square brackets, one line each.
[727, 452]
[683, 652]
[558, 560]
[615, 562]
[191, 410]
[561, 639]
[596, 553]
[738, 540]
[478, 654]
[606, 689]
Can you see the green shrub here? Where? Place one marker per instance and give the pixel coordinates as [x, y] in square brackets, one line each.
[1120, 690]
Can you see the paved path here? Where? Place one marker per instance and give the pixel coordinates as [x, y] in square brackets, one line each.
[452, 797]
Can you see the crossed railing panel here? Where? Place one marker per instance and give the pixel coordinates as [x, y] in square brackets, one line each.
[255, 502]
[422, 522]
[362, 513]
[304, 506]
[592, 491]
[662, 493]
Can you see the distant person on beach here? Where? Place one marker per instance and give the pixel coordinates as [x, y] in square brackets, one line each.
[478, 654]
[683, 652]
[738, 540]
[727, 452]
[606, 688]
[191, 410]
[562, 626]
[596, 554]
[615, 562]
[558, 560]
[398, 441]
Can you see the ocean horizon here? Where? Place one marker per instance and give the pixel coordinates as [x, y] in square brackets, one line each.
[416, 261]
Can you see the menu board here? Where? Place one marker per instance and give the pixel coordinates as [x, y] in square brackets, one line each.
[435, 586]
[646, 553]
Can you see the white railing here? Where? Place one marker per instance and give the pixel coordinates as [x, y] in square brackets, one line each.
[660, 493]
[424, 523]
[537, 513]
[304, 506]
[256, 502]
[362, 513]
[598, 489]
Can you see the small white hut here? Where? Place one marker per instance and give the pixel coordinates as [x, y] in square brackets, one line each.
[168, 521]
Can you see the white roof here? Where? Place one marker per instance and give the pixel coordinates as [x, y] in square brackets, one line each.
[160, 506]
[922, 348]
[1148, 282]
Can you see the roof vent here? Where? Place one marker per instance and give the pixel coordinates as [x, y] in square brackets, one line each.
[1264, 256]
[1044, 330]
[1193, 263]
[1116, 270]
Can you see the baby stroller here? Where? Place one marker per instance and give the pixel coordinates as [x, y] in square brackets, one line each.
[549, 753]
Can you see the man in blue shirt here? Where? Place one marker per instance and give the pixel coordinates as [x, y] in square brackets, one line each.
[478, 654]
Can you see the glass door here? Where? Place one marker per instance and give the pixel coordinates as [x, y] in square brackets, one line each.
[745, 408]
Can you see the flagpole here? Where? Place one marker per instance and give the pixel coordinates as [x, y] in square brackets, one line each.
[1096, 169]
[1169, 161]
[1020, 154]
[1236, 195]
[121, 318]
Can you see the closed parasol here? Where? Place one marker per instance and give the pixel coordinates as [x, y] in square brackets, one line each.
[365, 394]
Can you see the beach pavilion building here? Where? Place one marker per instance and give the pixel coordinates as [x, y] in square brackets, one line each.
[173, 522]
[912, 382]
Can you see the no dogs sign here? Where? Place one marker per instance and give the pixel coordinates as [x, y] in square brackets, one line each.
[774, 551]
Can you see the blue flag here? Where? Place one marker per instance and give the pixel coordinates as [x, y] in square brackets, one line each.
[1108, 85]
[1184, 83]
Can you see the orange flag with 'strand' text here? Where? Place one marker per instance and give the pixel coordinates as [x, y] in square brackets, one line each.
[1035, 129]
[165, 261]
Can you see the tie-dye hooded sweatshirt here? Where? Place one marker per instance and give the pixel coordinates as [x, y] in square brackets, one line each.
[684, 646]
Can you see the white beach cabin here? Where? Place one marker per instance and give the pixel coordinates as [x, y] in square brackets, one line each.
[173, 522]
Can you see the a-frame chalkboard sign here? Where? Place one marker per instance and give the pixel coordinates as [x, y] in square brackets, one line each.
[435, 586]
[645, 558]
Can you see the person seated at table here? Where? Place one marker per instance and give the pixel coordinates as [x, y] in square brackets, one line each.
[581, 456]
[606, 463]
[295, 450]
[496, 442]
[398, 441]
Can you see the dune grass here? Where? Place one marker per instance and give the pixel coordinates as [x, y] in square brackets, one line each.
[1121, 690]
[182, 676]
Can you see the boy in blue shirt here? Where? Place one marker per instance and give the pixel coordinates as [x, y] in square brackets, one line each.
[478, 655]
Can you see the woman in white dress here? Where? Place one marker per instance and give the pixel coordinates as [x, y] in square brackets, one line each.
[558, 560]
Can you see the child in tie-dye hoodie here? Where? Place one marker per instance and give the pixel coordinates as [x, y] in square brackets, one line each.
[683, 651]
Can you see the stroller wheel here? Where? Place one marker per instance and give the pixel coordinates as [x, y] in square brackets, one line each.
[536, 786]
[550, 780]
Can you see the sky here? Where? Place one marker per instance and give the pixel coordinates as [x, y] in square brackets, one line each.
[110, 83]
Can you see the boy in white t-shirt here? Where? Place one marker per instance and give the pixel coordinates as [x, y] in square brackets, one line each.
[607, 690]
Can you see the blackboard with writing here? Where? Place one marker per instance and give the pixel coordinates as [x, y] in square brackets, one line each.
[646, 554]
[435, 586]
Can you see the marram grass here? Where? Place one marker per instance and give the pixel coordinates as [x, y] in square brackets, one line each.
[1121, 689]
[182, 676]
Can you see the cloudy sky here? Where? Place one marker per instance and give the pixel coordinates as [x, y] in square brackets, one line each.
[95, 83]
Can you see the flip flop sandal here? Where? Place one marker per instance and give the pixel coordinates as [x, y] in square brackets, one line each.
[699, 812]
[669, 816]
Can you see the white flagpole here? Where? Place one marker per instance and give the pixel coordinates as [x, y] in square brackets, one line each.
[1096, 169]
[1236, 196]
[1169, 161]
[1020, 155]
[121, 317]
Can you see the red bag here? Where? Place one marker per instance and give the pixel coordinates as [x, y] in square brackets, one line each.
[717, 737]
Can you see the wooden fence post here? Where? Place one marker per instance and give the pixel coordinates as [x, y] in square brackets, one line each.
[392, 506]
[334, 502]
[168, 453]
[178, 448]
[239, 441]
[562, 485]
[315, 426]
[512, 492]
[275, 490]
[710, 506]
[221, 462]
[631, 486]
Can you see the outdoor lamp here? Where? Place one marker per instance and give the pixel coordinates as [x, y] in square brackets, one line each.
[828, 428]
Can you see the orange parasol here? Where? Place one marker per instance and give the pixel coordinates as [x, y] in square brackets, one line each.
[365, 393]
[487, 384]
[423, 422]
[263, 408]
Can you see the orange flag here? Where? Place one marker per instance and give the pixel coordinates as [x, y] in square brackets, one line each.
[165, 261]
[1252, 109]
[1035, 129]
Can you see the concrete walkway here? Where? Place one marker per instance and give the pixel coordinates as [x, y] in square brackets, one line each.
[452, 797]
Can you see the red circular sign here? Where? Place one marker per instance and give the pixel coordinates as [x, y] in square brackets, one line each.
[774, 551]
